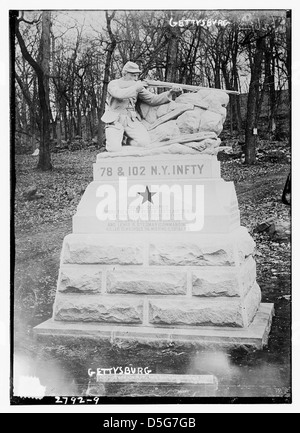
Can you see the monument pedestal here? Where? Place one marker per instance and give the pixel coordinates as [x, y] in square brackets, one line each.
[157, 254]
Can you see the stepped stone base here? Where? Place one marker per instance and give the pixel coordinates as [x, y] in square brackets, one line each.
[189, 279]
[158, 310]
[255, 336]
[163, 278]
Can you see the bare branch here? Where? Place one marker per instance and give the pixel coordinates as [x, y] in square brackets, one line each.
[22, 19]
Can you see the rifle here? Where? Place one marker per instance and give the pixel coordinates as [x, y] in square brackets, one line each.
[154, 83]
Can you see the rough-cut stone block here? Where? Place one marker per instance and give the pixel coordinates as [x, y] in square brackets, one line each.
[191, 254]
[248, 275]
[215, 282]
[226, 281]
[196, 312]
[149, 282]
[94, 249]
[252, 303]
[78, 308]
[245, 245]
[255, 336]
[81, 278]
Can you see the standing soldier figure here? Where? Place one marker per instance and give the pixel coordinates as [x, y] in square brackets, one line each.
[121, 115]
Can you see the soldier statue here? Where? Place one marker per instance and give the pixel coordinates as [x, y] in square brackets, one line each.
[122, 115]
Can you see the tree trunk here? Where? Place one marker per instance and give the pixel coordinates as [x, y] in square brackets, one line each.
[273, 105]
[33, 130]
[252, 104]
[271, 85]
[237, 113]
[54, 129]
[235, 77]
[58, 130]
[65, 119]
[264, 91]
[75, 126]
[172, 51]
[289, 51]
[24, 125]
[137, 44]
[57, 123]
[44, 156]
[23, 120]
[236, 98]
[78, 109]
[110, 50]
[93, 117]
[217, 72]
[70, 126]
[232, 101]
[87, 127]
[33, 118]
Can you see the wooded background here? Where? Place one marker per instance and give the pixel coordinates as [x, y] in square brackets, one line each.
[62, 62]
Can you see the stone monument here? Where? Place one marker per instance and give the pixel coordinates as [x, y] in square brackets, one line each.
[157, 252]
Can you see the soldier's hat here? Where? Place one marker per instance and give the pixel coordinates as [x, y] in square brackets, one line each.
[131, 67]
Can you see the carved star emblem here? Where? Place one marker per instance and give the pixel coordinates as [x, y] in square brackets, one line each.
[147, 195]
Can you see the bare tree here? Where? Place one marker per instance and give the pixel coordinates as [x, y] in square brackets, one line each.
[253, 98]
[173, 37]
[42, 71]
[109, 53]
[289, 52]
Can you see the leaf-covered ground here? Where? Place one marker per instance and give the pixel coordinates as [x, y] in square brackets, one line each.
[62, 187]
[41, 225]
